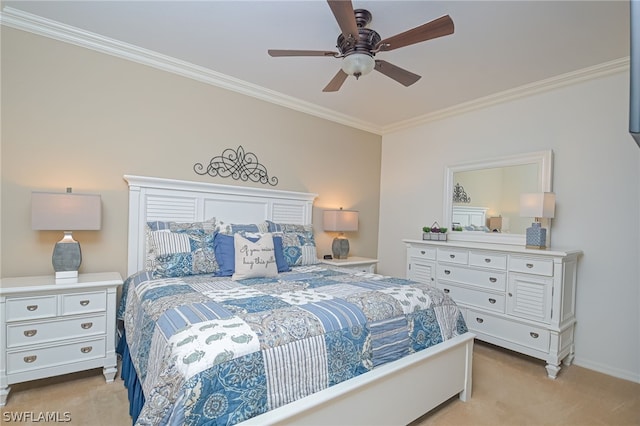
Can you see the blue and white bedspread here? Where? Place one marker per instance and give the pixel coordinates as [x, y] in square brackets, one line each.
[209, 350]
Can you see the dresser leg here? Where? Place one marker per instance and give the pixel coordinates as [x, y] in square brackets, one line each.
[552, 370]
[109, 373]
[4, 393]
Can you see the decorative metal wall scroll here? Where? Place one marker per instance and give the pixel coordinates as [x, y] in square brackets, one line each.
[459, 196]
[238, 165]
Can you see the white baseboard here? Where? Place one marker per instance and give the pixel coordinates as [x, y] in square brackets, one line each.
[607, 369]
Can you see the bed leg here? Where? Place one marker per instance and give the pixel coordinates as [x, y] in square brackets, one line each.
[465, 395]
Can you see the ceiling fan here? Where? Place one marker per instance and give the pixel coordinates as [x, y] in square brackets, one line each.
[358, 45]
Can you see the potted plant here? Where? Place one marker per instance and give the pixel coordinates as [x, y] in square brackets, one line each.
[426, 233]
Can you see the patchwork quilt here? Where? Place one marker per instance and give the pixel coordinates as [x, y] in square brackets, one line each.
[210, 350]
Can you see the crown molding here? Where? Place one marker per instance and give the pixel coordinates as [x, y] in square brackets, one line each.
[25, 21]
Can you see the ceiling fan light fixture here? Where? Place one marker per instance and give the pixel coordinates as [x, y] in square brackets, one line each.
[358, 63]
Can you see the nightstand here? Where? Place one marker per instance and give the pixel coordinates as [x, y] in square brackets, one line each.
[362, 264]
[51, 329]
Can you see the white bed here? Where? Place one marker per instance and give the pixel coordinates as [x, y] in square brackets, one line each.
[449, 364]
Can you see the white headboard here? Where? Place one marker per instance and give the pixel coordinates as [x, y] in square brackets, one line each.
[153, 198]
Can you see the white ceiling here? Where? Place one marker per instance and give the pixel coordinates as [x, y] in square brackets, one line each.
[497, 46]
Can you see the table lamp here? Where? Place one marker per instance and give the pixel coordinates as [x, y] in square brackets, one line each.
[340, 221]
[65, 212]
[538, 205]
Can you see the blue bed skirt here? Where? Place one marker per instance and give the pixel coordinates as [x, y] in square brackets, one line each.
[130, 378]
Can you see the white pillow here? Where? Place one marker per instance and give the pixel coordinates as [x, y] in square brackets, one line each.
[254, 260]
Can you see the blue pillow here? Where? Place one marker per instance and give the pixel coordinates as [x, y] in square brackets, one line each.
[226, 254]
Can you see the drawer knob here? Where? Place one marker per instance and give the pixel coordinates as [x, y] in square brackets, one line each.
[446, 290]
[452, 256]
[422, 252]
[84, 302]
[492, 301]
[29, 359]
[480, 320]
[529, 265]
[492, 279]
[534, 335]
[30, 333]
[447, 272]
[32, 307]
[487, 260]
[86, 325]
[510, 294]
[86, 349]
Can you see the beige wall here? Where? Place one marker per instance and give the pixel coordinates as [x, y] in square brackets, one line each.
[596, 178]
[75, 117]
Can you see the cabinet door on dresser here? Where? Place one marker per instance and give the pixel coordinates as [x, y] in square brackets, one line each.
[421, 265]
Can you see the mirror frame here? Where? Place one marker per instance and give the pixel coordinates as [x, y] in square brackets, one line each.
[545, 170]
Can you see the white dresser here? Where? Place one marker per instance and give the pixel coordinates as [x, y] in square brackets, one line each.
[517, 298]
[49, 329]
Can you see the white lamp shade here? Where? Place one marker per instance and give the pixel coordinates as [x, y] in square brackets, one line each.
[340, 220]
[358, 64]
[538, 204]
[65, 212]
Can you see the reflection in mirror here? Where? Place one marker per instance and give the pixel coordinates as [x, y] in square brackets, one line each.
[483, 198]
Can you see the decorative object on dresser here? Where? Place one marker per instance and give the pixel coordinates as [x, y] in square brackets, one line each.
[340, 221]
[66, 212]
[511, 296]
[362, 264]
[49, 329]
[540, 205]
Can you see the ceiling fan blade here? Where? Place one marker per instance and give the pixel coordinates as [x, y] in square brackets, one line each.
[278, 53]
[336, 82]
[437, 28]
[343, 12]
[400, 75]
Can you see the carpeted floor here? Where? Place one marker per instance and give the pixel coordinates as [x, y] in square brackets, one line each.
[508, 389]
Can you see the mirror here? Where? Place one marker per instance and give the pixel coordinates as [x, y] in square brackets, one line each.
[483, 197]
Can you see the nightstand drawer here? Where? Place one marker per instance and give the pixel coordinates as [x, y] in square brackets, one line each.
[40, 332]
[26, 308]
[80, 303]
[531, 266]
[27, 360]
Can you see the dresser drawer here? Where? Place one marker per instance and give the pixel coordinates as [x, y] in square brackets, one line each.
[493, 280]
[521, 334]
[467, 296]
[80, 303]
[488, 260]
[40, 332]
[428, 253]
[453, 256]
[530, 265]
[27, 360]
[26, 308]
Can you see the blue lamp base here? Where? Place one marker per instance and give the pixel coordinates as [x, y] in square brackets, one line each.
[536, 236]
[340, 248]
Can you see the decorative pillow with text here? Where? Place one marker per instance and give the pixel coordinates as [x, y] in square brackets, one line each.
[254, 259]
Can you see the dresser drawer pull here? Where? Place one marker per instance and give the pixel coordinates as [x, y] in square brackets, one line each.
[452, 256]
[492, 279]
[32, 307]
[480, 320]
[422, 252]
[84, 302]
[30, 333]
[447, 272]
[492, 301]
[29, 359]
[534, 335]
[529, 265]
[446, 290]
[86, 349]
[510, 294]
[487, 260]
[86, 325]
